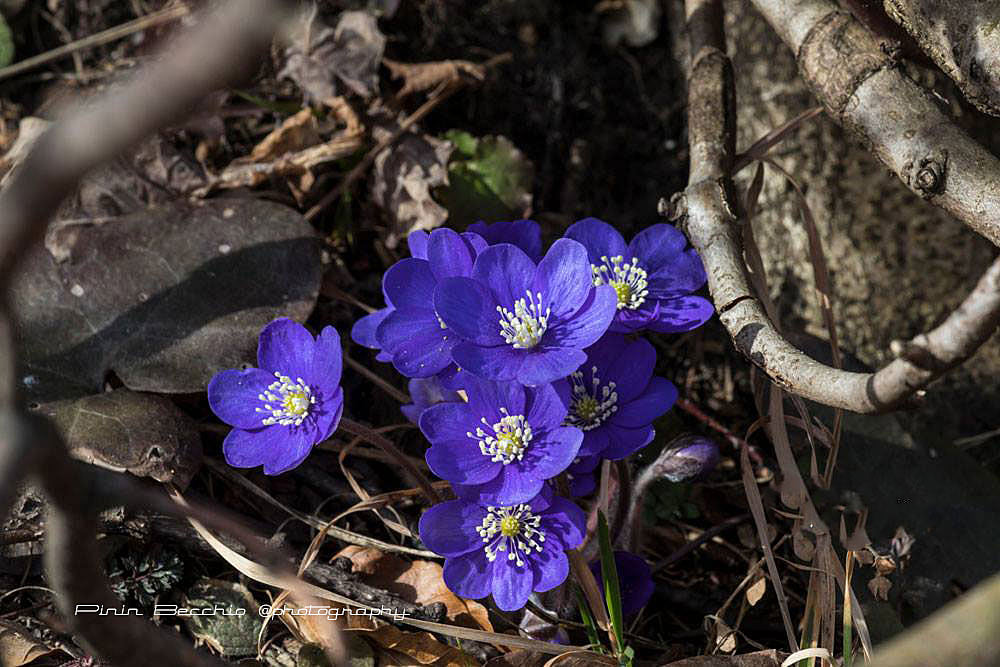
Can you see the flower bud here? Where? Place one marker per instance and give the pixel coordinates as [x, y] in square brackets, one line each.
[687, 457]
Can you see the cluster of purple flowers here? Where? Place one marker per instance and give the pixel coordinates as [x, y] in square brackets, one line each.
[524, 367]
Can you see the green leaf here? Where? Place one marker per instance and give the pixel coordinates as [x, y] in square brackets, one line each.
[488, 179]
[609, 573]
[6, 43]
[588, 621]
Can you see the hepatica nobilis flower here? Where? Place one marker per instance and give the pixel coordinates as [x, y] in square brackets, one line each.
[504, 550]
[614, 398]
[425, 392]
[521, 321]
[525, 234]
[502, 444]
[281, 409]
[653, 276]
[635, 581]
[408, 331]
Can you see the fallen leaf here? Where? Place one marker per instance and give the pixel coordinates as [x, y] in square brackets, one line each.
[420, 582]
[420, 77]
[488, 179]
[17, 647]
[144, 434]
[879, 587]
[768, 658]
[636, 22]
[319, 55]
[229, 634]
[420, 646]
[524, 658]
[164, 299]
[293, 150]
[756, 591]
[404, 174]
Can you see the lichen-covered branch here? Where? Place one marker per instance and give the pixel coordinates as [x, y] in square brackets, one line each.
[712, 224]
[865, 90]
[962, 38]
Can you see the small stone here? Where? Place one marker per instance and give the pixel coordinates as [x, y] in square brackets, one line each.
[76, 290]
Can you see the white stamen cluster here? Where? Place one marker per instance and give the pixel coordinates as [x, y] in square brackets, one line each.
[511, 530]
[286, 402]
[628, 279]
[524, 327]
[504, 441]
[590, 406]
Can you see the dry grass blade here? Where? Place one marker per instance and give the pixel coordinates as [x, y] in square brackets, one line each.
[400, 396]
[339, 533]
[420, 77]
[389, 447]
[761, 147]
[267, 576]
[757, 510]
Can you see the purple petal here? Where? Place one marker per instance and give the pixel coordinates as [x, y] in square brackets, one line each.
[327, 363]
[635, 580]
[449, 528]
[658, 397]
[493, 363]
[506, 270]
[600, 239]
[551, 453]
[417, 242]
[629, 321]
[682, 314]
[232, 396]
[277, 448]
[548, 365]
[623, 442]
[363, 331]
[328, 414]
[588, 324]
[416, 341]
[656, 246]
[565, 521]
[461, 461]
[595, 441]
[286, 347]
[581, 483]
[627, 363]
[550, 568]
[525, 234]
[545, 409]
[447, 421]
[563, 278]
[468, 308]
[511, 584]
[682, 275]
[449, 254]
[469, 575]
[486, 398]
[409, 282]
[510, 487]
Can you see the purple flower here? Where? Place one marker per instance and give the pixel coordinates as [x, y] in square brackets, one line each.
[503, 444]
[425, 392]
[687, 457]
[280, 410]
[582, 475]
[525, 234]
[508, 550]
[614, 397]
[522, 321]
[653, 276]
[635, 581]
[408, 331]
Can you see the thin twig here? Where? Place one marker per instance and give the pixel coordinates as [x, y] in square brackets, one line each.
[103, 37]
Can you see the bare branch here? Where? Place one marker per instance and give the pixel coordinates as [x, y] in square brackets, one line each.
[712, 224]
[862, 87]
[961, 37]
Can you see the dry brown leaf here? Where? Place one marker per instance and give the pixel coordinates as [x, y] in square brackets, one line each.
[420, 77]
[17, 647]
[879, 587]
[420, 582]
[768, 658]
[320, 56]
[756, 591]
[293, 150]
[404, 175]
[421, 646]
